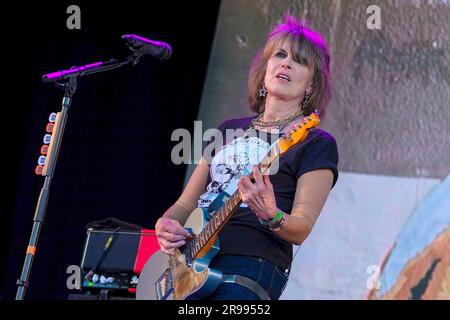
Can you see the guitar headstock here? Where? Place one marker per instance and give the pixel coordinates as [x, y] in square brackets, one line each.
[299, 132]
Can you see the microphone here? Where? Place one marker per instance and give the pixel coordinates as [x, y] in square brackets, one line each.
[143, 46]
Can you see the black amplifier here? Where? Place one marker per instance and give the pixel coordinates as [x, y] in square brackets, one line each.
[113, 259]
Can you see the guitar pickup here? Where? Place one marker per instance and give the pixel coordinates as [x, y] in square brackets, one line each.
[164, 285]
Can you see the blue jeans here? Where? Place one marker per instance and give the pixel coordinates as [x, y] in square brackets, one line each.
[268, 275]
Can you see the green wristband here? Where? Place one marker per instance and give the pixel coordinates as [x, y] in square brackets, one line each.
[273, 221]
[277, 217]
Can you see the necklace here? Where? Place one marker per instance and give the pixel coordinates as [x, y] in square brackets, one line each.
[280, 123]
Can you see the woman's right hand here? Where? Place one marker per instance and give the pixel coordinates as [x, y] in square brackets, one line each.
[170, 234]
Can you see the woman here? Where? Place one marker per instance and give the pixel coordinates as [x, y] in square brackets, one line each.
[289, 79]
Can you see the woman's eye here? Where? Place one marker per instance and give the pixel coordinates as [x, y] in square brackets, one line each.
[281, 54]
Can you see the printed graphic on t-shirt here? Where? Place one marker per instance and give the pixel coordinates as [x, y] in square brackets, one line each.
[230, 163]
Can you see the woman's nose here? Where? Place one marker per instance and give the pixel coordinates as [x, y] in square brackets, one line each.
[285, 64]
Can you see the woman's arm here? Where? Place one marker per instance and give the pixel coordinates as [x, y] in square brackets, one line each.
[169, 228]
[187, 202]
[312, 191]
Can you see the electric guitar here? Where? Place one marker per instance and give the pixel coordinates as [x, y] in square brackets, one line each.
[186, 275]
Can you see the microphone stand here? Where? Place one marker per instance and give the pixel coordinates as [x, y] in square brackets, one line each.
[70, 85]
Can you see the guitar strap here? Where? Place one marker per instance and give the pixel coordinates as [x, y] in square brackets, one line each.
[250, 284]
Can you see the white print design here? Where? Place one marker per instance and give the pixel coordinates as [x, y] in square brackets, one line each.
[233, 161]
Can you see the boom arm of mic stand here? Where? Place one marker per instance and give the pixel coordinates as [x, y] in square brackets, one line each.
[89, 69]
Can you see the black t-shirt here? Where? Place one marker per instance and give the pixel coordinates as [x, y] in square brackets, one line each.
[243, 234]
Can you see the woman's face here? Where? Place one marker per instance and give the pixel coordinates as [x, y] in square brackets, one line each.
[286, 79]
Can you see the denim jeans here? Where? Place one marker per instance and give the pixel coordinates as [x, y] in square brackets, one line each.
[268, 275]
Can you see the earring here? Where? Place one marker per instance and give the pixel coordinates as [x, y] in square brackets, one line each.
[262, 91]
[305, 100]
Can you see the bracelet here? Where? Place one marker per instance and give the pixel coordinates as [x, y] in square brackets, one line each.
[275, 222]
[276, 226]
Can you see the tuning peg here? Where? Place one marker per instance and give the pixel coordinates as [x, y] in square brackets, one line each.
[41, 160]
[44, 149]
[38, 170]
[49, 127]
[52, 117]
[47, 138]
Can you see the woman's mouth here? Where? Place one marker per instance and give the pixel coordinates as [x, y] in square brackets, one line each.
[283, 77]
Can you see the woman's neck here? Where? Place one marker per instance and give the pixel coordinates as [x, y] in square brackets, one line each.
[276, 109]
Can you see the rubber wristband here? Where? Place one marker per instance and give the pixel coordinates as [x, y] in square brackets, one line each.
[274, 220]
[277, 217]
[276, 226]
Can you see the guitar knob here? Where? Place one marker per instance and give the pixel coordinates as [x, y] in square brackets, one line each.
[44, 149]
[52, 117]
[38, 170]
[49, 127]
[41, 160]
[47, 138]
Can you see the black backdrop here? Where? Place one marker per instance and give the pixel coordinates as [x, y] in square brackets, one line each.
[115, 156]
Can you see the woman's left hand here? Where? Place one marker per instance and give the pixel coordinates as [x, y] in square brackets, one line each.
[259, 196]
